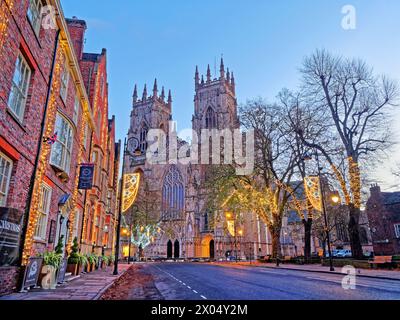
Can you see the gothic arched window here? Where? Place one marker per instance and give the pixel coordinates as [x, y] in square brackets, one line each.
[211, 119]
[143, 138]
[173, 195]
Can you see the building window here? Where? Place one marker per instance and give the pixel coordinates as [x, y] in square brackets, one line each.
[43, 211]
[64, 81]
[34, 14]
[5, 175]
[143, 138]
[76, 110]
[19, 89]
[61, 150]
[173, 196]
[211, 119]
[397, 230]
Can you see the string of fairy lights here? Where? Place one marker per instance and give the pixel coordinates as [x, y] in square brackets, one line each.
[355, 182]
[76, 183]
[6, 9]
[43, 159]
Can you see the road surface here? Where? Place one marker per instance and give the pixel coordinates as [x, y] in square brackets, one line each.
[198, 281]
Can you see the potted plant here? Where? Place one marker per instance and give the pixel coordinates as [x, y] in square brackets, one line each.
[92, 261]
[111, 260]
[74, 261]
[51, 263]
[104, 262]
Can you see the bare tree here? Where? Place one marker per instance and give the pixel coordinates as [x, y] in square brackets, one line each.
[356, 102]
[268, 191]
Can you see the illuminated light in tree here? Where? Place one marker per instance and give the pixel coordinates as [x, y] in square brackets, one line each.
[143, 236]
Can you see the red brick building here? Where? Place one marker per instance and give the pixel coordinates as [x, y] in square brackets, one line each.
[49, 86]
[383, 209]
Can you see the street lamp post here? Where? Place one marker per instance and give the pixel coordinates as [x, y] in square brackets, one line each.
[129, 244]
[328, 237]
[125, 153]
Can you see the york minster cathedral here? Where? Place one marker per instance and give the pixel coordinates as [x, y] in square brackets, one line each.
[174, 194]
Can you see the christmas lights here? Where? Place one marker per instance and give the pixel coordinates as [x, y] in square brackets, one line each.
[130, 183]
[355, 182]
[76, 183]
[342, 182]
[43, 158]
[144, 235]
[5, 14]
[313, 192]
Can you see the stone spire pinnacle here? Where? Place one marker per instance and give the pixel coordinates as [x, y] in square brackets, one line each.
[135, 95]
[155, 89]
[144, 97]
[163, 93]
[228, 76]
[222, 69]
[196, 76]
[169, 97]
[233, 82]
[208, 74]
[202, 79]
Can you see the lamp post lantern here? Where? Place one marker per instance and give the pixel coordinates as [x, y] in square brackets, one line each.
[328, 237]
[126, 152]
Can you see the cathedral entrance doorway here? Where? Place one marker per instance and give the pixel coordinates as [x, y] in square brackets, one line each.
[208, 247]
[212, 249]
[176, 249]
[169, 249]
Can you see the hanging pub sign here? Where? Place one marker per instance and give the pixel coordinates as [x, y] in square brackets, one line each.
[11, 221]
[86, 176]
[32, 273]
[62, 270]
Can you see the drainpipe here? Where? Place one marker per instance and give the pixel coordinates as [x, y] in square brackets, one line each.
[38, 150]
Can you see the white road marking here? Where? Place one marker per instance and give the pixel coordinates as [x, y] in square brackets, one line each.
[203, 297]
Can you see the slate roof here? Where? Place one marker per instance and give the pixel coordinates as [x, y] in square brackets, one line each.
[390, 198]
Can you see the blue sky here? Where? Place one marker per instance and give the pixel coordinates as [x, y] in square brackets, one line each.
[263, 42]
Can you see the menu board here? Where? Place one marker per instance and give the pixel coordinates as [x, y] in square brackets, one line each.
[11, 224]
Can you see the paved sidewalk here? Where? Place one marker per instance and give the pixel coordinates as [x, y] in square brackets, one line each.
[88, 286]
[371, 273]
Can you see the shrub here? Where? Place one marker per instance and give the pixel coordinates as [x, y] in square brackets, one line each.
[52, 259]
[60, 245]
[92, 258]
[74, 258]
[106, 260]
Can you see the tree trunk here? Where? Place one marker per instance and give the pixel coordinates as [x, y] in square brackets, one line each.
[276, 243]
[323, 242]
[307, 239]
[354, 232]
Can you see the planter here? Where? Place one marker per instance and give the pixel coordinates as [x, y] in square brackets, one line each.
[49, 280]
[75, 269]
[89, 268]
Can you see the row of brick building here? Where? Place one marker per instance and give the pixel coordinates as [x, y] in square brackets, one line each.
[48, 87]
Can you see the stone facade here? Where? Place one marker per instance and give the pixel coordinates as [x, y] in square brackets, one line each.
[186, 230]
